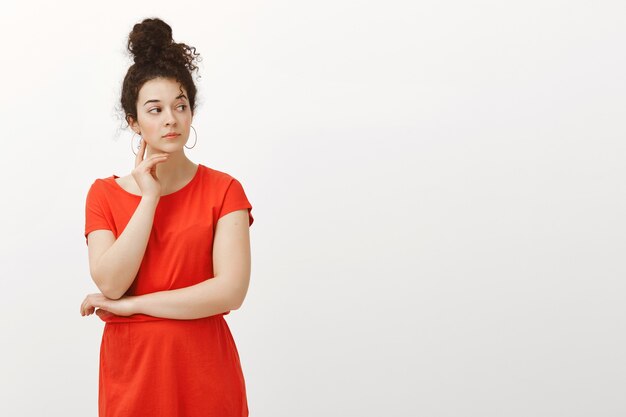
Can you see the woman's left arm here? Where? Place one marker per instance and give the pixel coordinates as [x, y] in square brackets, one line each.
[224, 292]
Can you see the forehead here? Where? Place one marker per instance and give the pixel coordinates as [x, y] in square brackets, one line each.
[160, 89]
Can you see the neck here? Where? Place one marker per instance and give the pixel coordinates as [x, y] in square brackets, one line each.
[175, 170]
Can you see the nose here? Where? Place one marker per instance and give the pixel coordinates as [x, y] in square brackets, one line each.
[171, 119]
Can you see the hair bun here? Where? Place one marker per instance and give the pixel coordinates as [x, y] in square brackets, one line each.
[157, 55]
[149, 41]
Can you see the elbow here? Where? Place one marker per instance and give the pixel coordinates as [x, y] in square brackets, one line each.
[105, 287]
[234, 302]
[112, 294]
[235, 305]
[237, 299]
[235, 292]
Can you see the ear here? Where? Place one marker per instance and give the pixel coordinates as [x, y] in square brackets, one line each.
[133, 124]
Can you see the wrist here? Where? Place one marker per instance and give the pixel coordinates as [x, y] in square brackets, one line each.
[135, 304]
[152, 199]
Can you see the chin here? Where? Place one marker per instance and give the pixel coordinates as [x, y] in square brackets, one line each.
[171, 148]
[170, 143]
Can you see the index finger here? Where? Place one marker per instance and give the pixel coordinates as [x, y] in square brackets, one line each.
[140, 153]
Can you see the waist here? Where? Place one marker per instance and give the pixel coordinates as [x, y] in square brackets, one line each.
[111, 318]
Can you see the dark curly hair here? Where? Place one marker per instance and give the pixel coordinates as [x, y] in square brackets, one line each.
[156, 55]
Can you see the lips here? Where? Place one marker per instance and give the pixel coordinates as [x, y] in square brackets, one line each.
[171, 135]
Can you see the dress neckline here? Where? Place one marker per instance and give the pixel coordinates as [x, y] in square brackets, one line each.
[183, 188]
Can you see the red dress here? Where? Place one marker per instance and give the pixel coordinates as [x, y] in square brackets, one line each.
[156, 367]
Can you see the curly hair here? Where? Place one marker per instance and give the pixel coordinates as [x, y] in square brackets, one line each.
[156, 55]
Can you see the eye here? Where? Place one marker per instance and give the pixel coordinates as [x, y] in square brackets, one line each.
[184, 106]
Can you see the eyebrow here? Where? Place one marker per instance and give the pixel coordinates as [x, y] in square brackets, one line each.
[156, 101]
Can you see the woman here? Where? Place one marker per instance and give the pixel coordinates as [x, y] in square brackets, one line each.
[169, 249]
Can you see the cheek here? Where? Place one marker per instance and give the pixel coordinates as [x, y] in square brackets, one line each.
[185, 117]
[151, 127]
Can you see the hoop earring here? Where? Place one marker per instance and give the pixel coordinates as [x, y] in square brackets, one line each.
[196, 141]
[131, 143]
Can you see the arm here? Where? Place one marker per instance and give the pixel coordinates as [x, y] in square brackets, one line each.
[226, 291]
[114, 263]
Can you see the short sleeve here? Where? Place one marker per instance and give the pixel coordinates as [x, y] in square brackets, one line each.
[235, 199]
[95, 215]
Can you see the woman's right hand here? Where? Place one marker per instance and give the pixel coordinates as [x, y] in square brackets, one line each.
[144, 172]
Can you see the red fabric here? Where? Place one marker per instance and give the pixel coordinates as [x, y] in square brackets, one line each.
[150, 366]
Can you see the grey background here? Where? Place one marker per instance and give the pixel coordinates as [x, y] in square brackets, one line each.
[437, 189]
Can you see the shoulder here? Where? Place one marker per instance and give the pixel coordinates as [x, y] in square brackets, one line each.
[97, 184]
[101, 185]
[126, 183]
[218, 178]
[102, 180]
[217, 174]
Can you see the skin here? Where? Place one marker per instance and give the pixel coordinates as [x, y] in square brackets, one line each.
[154, 120]
[161, 167]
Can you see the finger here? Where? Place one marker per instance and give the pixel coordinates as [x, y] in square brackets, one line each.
[140, 153]
[83, 308]
[158, 156]
[153, 160]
